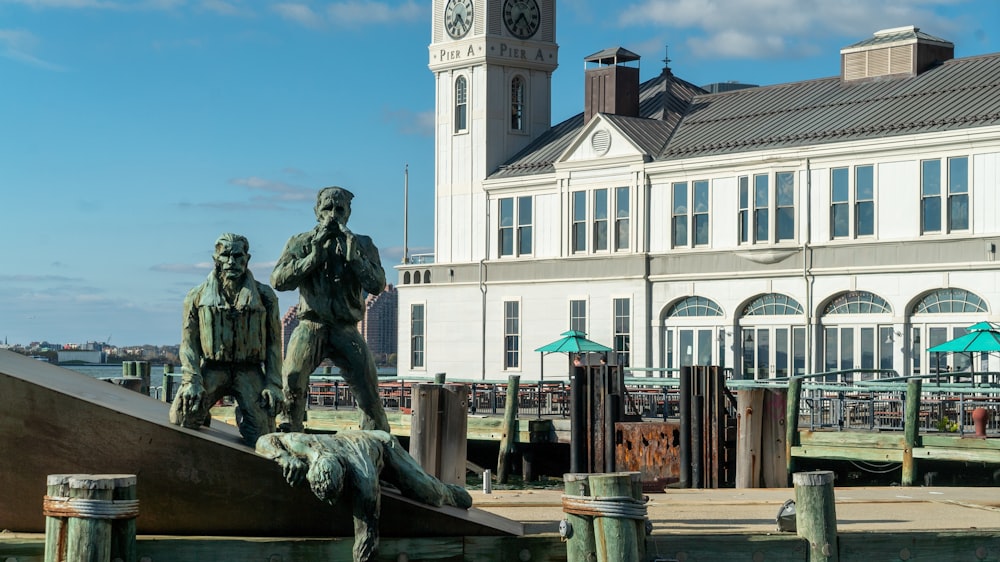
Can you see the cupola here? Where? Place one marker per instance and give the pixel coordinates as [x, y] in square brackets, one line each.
[612, 83]
[900, 51]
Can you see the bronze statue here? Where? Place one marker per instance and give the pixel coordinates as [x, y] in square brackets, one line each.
[352, 463]
[230, 345]
[332, 268]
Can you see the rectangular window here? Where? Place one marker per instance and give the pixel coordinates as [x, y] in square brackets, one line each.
[840, 203]
[461, 103]
[417, 336]
[958, 194]
[700, 217]
[621, 218]
[578, 315]
[578, 236]
[600, 220]
[679, 215]
[761, 206]
[623, 330]
[864, 200]
[506, 238]
[511, 334]
[785, 212]
[510, 239]
[524, 243]
[744, 209]
[517, 104]
[930, 196]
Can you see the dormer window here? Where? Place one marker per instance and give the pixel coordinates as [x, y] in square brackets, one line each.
[517, 104]
[461, 104]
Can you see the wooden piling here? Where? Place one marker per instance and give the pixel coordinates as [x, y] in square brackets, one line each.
[439, 428]
[90, 518]
[508, 439]
[749, 414]
[792, 423]
[816, 514]
[911, 431]
[580, 537]
[615, 537]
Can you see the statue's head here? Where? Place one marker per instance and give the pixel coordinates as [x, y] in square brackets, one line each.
[232, 253]
[333, 202]
[326, 478]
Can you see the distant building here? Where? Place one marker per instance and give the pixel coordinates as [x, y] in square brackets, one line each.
[288, 324]
[80, 356]
[379, 326]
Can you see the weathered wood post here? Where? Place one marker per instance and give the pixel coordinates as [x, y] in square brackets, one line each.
[439, 430]
[90, 518]
[579, 528]
[911, 430]
[508, 439]
[773, 459]
[816, 514]
[685, 422]
[615, 535]
[749, 413]
[792, 422]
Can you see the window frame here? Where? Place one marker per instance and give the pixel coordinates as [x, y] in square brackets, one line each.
[518, 90]
[512, 335]
[418, 357]
[600, 220]
[767, 212]
[621, 329]
[461, 105]
[519, 231]
[849, 205]
[689, 211]
[578, 315]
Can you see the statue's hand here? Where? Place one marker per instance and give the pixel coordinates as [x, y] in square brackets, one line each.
[272, 400]
[294, 470]
[191, 395]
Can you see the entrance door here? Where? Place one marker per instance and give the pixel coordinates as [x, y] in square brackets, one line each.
[773, 351]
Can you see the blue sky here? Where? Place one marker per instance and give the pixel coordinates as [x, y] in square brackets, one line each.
[134, 132]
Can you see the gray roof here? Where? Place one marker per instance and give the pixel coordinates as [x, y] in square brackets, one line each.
[898, 34]
[686, 122]
[662, 102]
[957, 94]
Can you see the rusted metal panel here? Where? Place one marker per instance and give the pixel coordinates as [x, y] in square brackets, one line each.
[652, 449]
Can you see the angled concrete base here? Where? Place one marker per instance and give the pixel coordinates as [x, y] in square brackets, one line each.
[205, 482]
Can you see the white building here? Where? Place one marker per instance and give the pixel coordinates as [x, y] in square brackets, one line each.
[840, 223]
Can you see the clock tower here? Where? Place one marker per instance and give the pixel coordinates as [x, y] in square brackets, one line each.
[492, 62]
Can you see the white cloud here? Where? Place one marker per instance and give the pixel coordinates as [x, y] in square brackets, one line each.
[411, 123]
[16, 44]
[361, 12]
[299, 13]
[766, 28]
[276, 190]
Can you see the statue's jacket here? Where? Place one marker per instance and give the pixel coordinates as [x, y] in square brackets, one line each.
[243, 336]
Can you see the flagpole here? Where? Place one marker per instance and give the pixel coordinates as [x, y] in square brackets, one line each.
[406, 212]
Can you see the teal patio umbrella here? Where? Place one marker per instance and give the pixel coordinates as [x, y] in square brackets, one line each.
[981, 337]
[573, 341]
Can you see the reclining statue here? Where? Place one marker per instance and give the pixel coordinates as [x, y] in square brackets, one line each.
[351, 463]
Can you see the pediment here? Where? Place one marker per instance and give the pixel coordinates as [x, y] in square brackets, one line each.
[602, 139]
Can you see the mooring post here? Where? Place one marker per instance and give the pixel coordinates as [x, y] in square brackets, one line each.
[615, 536]
[439, 428]
[816, 514]
[749, 416]
[911, 430]
[90, 517]
[792, 422]
[684, 407]
[578, 424]
[578, 529]
[508, 440]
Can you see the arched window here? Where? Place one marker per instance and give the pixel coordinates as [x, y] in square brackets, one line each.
[427, 276]
[694, 306]
[406, 278]
[517, 104]
[773, 304]
[950, 301]
[461, 104]
[416, 277]
[858, 302]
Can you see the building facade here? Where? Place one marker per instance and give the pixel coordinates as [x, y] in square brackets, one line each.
[379, 324]
[843, 223]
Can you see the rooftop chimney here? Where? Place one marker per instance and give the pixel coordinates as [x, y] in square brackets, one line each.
[900, 51]
[611, 86]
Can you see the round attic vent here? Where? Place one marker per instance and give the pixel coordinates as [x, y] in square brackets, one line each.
[600, 141]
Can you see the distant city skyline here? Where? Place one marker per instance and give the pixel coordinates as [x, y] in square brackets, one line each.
[136, 131]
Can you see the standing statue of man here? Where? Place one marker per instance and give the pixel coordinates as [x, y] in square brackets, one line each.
[352, 463]
[230, 345]
[332, 268]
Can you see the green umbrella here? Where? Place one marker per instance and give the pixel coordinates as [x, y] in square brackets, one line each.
[982, 340]
[573, 342]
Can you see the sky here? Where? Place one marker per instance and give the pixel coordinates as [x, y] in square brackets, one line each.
[134, 132]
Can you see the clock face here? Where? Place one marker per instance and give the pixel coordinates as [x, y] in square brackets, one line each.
[521, 17]
[458, 17]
